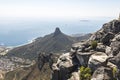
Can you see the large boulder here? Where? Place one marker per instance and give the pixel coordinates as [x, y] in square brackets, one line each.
[116, 60]
[96, 60]
[63, 68]
[115, 48]
[116, 26]
[117, 37]
[108, 50]
[81, 46]
[100, 47]
[115, 45]
[75, 76]
[103, 73]
[107, 38]
[97, 35]
[83, 58]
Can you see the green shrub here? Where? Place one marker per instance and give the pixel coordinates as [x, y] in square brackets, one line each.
[94, 44]
[85, 73]
[114, 73]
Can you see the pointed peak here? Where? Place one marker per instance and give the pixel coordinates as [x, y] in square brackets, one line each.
[57, 31]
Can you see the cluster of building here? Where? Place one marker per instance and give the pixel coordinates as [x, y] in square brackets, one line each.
[7, 64]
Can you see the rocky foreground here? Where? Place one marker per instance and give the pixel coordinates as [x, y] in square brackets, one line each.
[100, 54]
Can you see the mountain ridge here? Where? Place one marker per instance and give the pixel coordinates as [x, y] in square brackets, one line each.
[56, 42]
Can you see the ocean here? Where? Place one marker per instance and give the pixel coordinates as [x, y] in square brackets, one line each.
[17, 32]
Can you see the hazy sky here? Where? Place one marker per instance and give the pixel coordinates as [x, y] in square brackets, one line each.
[22, 20]
[59, 8]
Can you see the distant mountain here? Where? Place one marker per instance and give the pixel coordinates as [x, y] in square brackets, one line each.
[78, 35]
[56, 42]
[82, 36]
[84, 20]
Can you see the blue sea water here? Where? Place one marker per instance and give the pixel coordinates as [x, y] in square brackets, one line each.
[16, 32]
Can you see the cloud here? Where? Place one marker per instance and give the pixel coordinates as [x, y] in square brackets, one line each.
[58, 9]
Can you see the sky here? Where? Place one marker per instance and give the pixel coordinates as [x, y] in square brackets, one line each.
[23, 20]
[63, 9]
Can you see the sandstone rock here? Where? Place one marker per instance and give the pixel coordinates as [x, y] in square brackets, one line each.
[83, 58]
[100, 47]
[108, 50]
[107, 27]
[111, 65]
[75, 76]
[81, 46]
[117, 37]
[88, 49]
[103, 73]
[115, 60]
[64, 67]
[116, 26]
[97, 36]
[107, 37]
[65, 60]
[2, 75]
[115, 45]
[96, 60]
[115, 48]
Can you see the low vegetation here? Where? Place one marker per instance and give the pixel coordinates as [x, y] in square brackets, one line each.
[94, 44]
[114, 73]
[85, 73]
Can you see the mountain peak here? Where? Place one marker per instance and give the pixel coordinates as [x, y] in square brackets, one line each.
[57, 31]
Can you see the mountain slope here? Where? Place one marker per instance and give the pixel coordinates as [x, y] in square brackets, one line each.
[55, 42]
[29, 73]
